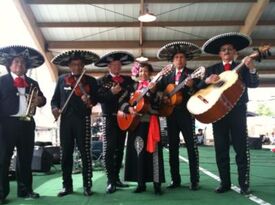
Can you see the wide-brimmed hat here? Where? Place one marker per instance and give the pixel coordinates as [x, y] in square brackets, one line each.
[124, 57]
[32, 57]
[238, 40]
[168, 51]
[87, 57]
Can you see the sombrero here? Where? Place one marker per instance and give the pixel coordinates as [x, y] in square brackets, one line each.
[124, 57]
[168, 51]
[238, 40]
[32, 57]
[63, 59]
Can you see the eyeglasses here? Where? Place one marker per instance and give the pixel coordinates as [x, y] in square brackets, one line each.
[226, 49]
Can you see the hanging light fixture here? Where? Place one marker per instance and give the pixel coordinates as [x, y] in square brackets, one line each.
[142, 59]
[146, 16]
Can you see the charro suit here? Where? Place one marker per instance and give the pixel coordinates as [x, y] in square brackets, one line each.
[15, 132]
[75, 126]
[114, 138]
[233, 129]
[181, 121]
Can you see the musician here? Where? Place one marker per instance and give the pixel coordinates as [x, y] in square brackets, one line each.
[75, 119]
[181, 120]
[144, 159]
[18, 130]
[113, 89]
[232, 128]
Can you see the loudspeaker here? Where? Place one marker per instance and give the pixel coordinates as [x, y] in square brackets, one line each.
[55, 152]
[254, 143]
[42, 160]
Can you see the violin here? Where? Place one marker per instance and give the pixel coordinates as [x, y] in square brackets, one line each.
[81, 89]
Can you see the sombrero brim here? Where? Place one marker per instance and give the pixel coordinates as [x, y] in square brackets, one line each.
[124, 57]
[63, 59]
[190, 50]
[238, 40]
[32, 57]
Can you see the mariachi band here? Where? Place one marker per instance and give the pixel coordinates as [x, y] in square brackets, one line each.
[130, 107]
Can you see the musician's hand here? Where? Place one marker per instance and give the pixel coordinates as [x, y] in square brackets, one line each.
[56, 113]
[212, 79]
[38, 101]
[189, 82]
[165, 99]
[86, 99]
[249, 63]
[115, 89]
[132, 110]
[152, 87]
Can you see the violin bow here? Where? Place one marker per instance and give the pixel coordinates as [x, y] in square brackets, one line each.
[68, 99]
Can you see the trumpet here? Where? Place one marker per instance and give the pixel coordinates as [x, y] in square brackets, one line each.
[31, 104]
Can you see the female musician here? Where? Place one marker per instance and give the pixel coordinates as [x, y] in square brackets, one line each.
[144, 159]
[75, 124]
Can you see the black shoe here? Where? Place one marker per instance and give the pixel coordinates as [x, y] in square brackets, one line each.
[29, 195]
[140, 188]
[87, 192]
[157, 188]
[194, 186]
[64, 192]
[110, 189]
[120, 184]
[222, 189]
[173, 185]
[245, 191]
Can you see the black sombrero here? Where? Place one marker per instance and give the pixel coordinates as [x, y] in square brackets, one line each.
[32, 57]
[63, 59]
[168, 51]
[124, 57]
[238, 40]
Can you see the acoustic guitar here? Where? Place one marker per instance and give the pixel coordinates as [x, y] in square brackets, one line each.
[140, 103]
[176, 97]
[215, 101]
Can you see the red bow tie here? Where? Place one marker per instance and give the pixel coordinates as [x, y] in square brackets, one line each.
[143, 84]
[227, 66]
[20, 82]
[117, 79]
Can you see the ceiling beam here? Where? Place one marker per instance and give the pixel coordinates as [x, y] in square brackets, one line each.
[131, 44]
[151, 24]
[132, 1]
[29, 21]
[253, 16]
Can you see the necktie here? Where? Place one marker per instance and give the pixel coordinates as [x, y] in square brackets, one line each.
[143, 84]
[117, 79]
[227, 66]
[177, 79]
[20, 82]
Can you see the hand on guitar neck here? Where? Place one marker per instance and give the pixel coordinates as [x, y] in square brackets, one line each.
[116, 88]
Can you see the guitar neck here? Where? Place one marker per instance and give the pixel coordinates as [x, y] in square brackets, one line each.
[178, 87]
[145, 90]
[238, 67]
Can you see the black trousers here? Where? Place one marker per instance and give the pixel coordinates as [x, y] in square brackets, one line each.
[75, 129]
[182, 121]
[232, 129]
[19, 134]
[113, 148]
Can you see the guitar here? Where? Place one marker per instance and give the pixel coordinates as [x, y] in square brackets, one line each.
[140, 103]
[214, 102]
[176, 97]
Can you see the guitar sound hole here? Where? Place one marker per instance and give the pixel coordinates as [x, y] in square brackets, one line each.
[219, 84]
